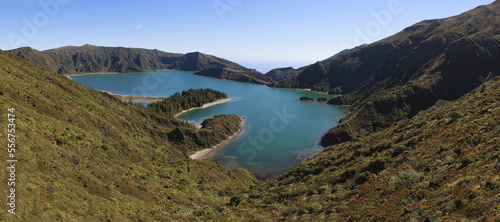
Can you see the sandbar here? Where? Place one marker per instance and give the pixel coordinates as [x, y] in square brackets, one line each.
[220, 101]
[202, 154]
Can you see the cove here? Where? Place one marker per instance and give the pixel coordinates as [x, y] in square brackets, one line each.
[279, 132]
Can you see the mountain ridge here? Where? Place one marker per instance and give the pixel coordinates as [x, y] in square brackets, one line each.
[98, 59]
[420, 143]
[395, 78]
[97, 158]
[280, 74]
[250, 76]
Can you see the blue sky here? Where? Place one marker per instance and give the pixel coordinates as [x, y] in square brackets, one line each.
[252, 32]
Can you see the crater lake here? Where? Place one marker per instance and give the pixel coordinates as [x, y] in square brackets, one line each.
[279, 131]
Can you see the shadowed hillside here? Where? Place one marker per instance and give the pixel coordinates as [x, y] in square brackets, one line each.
[395, 78]
[95, 59]
[282, 73]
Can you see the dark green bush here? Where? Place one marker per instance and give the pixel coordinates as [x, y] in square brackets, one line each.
[454, 116]
[464, 162]
[376, 166]
[235, 201]
[398, 150]
[361, 179]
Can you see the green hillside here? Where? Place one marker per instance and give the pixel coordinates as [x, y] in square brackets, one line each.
[397, 77]
[86, 156]
[421, 141]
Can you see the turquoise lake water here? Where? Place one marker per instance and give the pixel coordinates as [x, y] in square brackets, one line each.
[279, 131]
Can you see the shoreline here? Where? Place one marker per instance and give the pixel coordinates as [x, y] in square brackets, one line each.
[206, 105]
[127, 98]
[100, 73]
[90, 73]
[202, 154]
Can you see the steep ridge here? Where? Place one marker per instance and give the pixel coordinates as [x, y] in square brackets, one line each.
[341, 72]
[280, 74]
[197, 61]
[36, 57]
[97, 59]
[208, 65]
[250, 76]
[395, 78]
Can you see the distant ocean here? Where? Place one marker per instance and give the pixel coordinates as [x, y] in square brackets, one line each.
[266, 66]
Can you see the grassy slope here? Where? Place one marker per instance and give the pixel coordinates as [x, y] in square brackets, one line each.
[441, 165]
[431, 60]
[213, 132]
[84, 155]
[87, 156]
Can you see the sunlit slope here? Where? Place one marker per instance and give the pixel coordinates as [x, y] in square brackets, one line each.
[83, 155]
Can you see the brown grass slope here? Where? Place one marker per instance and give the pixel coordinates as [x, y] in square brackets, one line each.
[441, 165]
[86, 156]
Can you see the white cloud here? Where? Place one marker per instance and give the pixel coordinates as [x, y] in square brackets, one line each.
[138, 26]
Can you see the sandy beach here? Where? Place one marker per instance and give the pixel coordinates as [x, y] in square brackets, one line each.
[204, 153]
[220, 101]
[126, 98]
